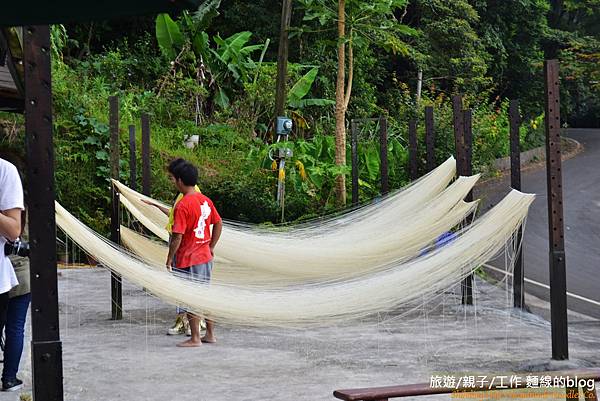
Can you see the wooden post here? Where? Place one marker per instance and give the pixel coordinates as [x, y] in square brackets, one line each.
[515, 182]
[282, 57]
[461, 168]
[467, 170]
[383, 153]
[354, 150]
[132, 159]
[459, 128]
[116, 291]
[558, 276]
[146, 154]
[46, 347]
[467, 156]
[413, 165]
[430, 138]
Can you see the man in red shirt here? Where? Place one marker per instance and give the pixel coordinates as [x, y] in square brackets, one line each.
[192, 243]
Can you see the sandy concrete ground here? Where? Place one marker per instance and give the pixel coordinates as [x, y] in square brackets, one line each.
[134, 360]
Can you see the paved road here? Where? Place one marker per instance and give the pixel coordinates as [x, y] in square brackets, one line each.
[581, 182]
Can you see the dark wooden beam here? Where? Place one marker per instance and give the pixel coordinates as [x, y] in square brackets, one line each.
[515, 182]
[46, 347]
[430, 138]
[383, 155]
[132, 159]
[558, 275]
[146, 172]
[466, 169]
[116, 289]
[12, 104]
[13, 64]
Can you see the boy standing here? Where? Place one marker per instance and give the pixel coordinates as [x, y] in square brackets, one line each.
[192, 242]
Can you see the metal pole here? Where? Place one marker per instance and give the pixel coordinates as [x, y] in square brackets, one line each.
[383, 154]
[146, 154]
[46, 347]
[116, 291]
[282, 57]
[132, 159]
[467, 170]
[412, 150]
[429, 138]
[354, 154]
[515, 182]
[558, 279]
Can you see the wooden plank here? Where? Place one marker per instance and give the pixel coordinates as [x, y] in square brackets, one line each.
[6, 80]
[413, 390]
[413, 157]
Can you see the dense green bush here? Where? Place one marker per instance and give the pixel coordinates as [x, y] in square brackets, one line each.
[222, 90]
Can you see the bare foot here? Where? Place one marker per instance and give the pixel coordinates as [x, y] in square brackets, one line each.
[189, 344]
[208, 340]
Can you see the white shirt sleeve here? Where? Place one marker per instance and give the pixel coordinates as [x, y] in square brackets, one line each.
[11, 197]
[11, 190]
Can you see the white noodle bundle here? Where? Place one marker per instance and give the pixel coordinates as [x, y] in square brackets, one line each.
[343, 253]
[319, 303]
[403, 202]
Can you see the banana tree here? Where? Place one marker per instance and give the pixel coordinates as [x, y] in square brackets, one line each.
[219, 63]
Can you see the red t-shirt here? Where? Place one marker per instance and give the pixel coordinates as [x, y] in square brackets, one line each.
[193, 216]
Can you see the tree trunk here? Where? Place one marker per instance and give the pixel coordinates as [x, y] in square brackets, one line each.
[282, 58]
[340, 106]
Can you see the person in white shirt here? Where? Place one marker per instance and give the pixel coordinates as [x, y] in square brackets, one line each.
[11, 206]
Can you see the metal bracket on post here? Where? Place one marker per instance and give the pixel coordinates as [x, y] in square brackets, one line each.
[116, 291]
[354, 157]
[413, 165]
[430, 138]
[558, 276]
[46, 347]
[515, 182]
[383, 155]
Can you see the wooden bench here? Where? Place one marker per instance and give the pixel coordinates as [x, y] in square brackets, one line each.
[413, 390]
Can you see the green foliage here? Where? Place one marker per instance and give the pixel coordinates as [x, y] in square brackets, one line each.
[513, 34]
[450, 51]
[219, 68]
[213, 75]
[168, 35]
